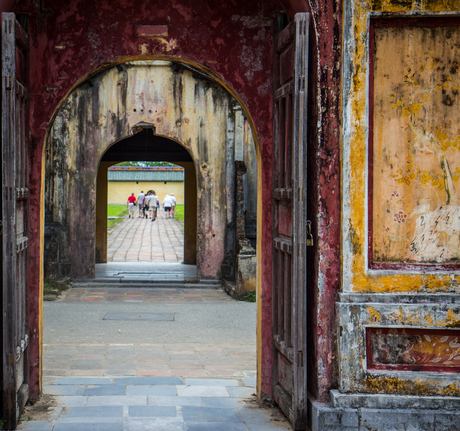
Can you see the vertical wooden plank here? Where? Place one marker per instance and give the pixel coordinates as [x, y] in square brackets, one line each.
[300, 220]
[289, 203]
[9, 312]
[15, 214]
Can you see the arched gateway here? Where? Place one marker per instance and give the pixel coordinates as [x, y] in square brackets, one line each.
[169, 100]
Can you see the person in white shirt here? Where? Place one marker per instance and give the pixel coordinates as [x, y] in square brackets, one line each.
[140, 201]
[153, 206]
[173, 200]
[167, 204]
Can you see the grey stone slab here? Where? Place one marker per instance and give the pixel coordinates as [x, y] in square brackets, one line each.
[202, 391]
[89, 420]
[148, 381]
[152, 411]
[100, 411]
[447, 421]
[106, 390]
[211, 382]
[398, 420]
[71, 401]
[241, 392]
[222, 402]
[160, 390]
[159, 424]
[215, 426]
[82, 381]
[209, 414]
[276, 426]
[35, 426]
[255, 415]
[384, 401]
[87, 367]
[250, 382]
[175, 401]
[184, 357]
[132, 316]
[64, 390]
[63, 426]
[118, 400]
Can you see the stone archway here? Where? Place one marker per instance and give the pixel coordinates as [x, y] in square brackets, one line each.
[175, 101]
[145, 146]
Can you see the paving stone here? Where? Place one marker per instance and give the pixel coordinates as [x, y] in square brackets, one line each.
[255, 415]
[222, 402]
[160, 424]
[64, 390]
[175, 401]
[263, 426]
[148, 381]
[203, 391]
[215, 426]
[71, 401]
[161, 390]
[35, 426]
[209, 414]
[88, 427]
[250, 382]
[241, 392]
[120, 400]
[106, 390]
[152, 411]
[101, 411]
[211, 382]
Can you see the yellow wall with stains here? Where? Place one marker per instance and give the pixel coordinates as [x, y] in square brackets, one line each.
[119, 191]
[357, 276]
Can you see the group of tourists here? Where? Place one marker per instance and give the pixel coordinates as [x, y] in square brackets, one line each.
[149, 204]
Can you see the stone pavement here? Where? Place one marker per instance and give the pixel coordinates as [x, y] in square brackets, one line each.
[195, 373]
[141, 240]
[156, 404]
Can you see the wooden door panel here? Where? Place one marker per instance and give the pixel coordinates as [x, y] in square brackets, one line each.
[289, 221]
[15, 220]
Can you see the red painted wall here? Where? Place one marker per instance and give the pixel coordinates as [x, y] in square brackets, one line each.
[234, 39]
[70, 39]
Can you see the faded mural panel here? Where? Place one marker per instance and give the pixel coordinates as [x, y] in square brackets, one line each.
[416, 141]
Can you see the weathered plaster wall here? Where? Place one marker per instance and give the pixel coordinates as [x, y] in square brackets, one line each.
[416, 297]
[180, 105]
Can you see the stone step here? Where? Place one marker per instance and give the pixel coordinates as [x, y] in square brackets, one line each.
[122, 283]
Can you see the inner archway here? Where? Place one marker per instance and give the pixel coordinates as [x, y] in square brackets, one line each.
[147, 147]
[172, 102]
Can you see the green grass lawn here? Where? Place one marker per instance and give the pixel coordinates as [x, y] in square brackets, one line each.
[179, 212]
[115, 211]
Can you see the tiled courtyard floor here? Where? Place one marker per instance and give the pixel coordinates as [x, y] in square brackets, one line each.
[202, 377]
[141, 240]
[145, 295]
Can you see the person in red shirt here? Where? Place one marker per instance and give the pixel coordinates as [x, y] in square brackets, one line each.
[131, 205]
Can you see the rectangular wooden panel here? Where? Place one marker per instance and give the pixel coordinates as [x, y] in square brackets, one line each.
[414, 162]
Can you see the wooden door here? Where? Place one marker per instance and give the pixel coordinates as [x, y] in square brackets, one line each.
[15, 219]
[290, 220]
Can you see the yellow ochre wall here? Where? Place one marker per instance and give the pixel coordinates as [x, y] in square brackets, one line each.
[119, 191]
